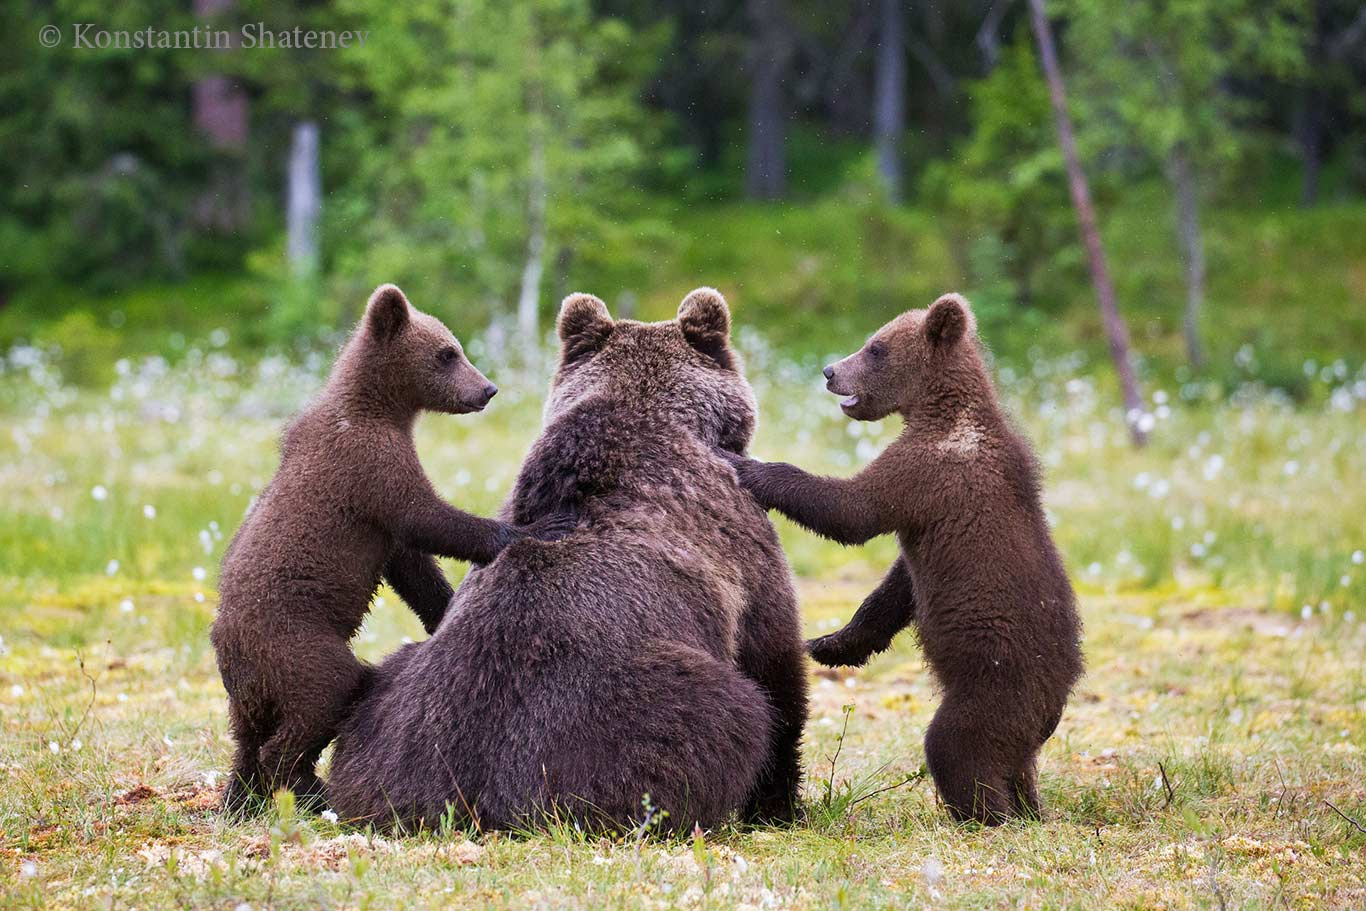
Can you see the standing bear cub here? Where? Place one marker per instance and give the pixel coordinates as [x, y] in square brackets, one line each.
[350, 503]
[978, 572]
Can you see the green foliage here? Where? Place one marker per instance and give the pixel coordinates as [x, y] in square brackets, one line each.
[485, 107]
[1004, 193]
[1161, 77]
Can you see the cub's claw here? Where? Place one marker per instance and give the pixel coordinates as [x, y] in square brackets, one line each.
[552, 527]
[838, 650]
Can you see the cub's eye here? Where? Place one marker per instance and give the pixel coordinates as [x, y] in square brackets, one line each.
[447, 355]
[877, 350]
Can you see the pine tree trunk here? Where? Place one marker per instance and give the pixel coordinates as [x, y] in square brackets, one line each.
[304, 201]
[1116, 332]
[220, 110]
[1192, 242]
[766, 171]
[890, 107]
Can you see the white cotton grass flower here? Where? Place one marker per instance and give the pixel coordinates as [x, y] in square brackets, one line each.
[16, 691]
[199, 574]
[28, 869]
[149, 511]
[77, 744]
[111, 568]
[54, 747]
[1358, 557]
[100, 493]
[126, 606]
[330, 816]
[933, 871]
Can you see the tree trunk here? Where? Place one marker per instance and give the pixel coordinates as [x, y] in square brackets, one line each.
[220, 112]
[890, 107]
[1192, 243]
[1115, 329]
[1309, 132]
[766, 172]
[528, 301]
[304, 200]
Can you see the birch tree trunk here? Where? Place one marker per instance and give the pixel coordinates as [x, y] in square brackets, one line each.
[1192, 242]
[890, 107]
[1116, 332]
[528, 301]
[304, 200]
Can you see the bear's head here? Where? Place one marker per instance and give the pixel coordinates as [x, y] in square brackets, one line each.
[415, 361]
[910, 356]
[682, 371]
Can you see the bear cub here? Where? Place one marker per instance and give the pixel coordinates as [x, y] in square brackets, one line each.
[348, 505]
[978, 573]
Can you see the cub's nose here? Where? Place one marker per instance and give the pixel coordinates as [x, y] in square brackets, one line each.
[829, 371]
[489, 392]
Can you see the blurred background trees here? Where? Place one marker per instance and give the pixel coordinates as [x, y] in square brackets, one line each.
[832, 163]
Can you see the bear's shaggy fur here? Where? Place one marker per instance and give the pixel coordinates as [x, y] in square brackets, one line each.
[653, 651]
[349, 503]
[978, 572]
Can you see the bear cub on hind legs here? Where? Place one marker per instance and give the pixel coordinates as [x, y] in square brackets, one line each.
[978, 573]
[348, 505]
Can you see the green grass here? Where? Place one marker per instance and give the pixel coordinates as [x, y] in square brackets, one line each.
[815, 278]
[1218, 582]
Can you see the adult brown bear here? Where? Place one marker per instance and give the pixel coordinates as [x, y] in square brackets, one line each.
[654, 651]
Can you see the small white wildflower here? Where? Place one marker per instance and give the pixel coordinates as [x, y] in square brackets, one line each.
[242, 906]
[1345, 581]
[1178, 523]
[199, 574]
[1198, 549]
[1358, 557]
[16, 691]
[77, 744]
[149, 511]
[1306, 612]
[330, 816]
[933, 871]
[1292, 468]
[1325, 607]
[1146, 423]
[99, 492]
[111, 567]
[198, 597]
[54, 746]
[28, 869]
[126, 606]
[122, 697]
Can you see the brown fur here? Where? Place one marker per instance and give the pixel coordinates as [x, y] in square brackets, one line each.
[350, 503]
[978, 572]
[655, 650]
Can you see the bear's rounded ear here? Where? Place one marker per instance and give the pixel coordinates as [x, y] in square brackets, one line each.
[705, 320]
[387, 312]
[948, 320]
[584, 326]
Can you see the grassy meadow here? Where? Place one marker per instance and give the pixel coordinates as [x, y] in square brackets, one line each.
[1211, 758]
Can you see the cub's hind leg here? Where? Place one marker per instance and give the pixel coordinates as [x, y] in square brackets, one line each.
[327, 683]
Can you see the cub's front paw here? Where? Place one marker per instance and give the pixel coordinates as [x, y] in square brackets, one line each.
[552, 527]
[839, 650]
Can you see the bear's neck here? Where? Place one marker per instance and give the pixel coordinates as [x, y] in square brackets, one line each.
[355, 392]
[954, 390]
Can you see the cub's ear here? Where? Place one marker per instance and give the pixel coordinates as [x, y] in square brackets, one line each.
[584, 327]
[387, 312]
[705, 320]
[949, 319]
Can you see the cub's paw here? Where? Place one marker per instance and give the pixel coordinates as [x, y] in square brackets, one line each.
[552, 527]
[839, 650]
